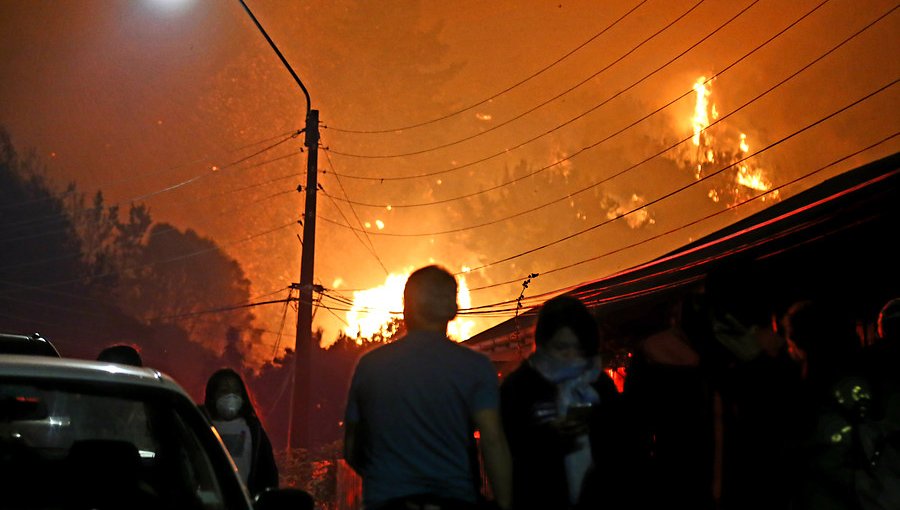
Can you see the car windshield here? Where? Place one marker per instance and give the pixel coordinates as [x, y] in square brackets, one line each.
[84, 446]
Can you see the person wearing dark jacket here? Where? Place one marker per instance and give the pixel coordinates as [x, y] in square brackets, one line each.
[229, 407]
[555, 409]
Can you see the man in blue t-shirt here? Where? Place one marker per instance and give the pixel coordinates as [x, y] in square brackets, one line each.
[415, 404]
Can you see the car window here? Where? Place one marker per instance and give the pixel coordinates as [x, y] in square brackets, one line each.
[80, 445]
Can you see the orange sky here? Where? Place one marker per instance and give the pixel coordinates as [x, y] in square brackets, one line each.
[133, 97]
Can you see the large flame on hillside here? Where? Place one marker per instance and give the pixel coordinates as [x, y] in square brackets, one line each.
[374, 309]
[745, 180]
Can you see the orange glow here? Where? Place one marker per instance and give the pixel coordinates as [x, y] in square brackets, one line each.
[373, 309]
[618, 377]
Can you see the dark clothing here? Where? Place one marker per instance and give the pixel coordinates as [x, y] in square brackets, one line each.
[528, 404]
[851, 446]
[263, 469]
[761, 399]
[672, 406]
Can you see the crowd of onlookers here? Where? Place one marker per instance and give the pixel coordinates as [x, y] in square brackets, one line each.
[732, 407]
[724, 406]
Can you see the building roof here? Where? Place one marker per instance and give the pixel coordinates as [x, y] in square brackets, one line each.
[832, 240]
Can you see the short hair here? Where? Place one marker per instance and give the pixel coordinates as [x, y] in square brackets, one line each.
[567, 311]
[889, 319]
[122, 354]
[430, 294]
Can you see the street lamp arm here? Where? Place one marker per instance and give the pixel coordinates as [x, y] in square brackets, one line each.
[280, 56]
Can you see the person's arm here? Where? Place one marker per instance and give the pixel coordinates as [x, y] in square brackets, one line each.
[352, 447]
[497, 460]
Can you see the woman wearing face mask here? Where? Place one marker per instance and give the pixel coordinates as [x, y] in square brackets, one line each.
[556, 408]
[228, 405]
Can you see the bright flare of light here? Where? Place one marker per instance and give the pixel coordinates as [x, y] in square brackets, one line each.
[372, 308]
[460, 328]
[701, 117]
[379, 224]
[171, 6]
[744, 146]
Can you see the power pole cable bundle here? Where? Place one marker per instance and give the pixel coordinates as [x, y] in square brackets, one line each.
[299, 434]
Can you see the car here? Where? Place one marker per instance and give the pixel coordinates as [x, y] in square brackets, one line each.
[90, 434]
[11, 343]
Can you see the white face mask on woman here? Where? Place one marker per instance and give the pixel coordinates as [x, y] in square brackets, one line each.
[229, 405]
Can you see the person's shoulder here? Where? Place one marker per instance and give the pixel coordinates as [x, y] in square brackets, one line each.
[521, 375]
[471, 356]
[380, 352]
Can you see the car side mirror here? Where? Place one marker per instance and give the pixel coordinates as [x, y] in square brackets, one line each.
[284, 499]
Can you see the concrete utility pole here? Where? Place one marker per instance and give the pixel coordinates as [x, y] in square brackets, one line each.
[301, 403]
[300, 434]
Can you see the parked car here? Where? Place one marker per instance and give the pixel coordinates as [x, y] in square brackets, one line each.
[88, 434]
[27, 344]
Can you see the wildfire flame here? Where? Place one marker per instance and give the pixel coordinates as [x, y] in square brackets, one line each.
[748, 179]
[373, 309]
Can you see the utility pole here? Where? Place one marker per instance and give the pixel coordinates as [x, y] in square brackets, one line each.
[301, 403]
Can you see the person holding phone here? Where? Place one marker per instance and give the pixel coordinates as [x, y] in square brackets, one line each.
[553, 408]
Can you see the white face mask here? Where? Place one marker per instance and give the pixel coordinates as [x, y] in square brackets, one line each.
[228, 406]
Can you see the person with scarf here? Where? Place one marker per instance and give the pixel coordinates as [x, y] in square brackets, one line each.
[555, 410]
[228, 405]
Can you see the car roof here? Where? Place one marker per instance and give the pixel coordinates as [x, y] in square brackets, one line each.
[70, 369]
[27, 344]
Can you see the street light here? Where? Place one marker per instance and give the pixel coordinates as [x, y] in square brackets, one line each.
[299, 434]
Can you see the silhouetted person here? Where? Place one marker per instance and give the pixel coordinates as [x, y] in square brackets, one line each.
[557, 408]
[849, 453]
[671, 398]
[413, 408]
[759, 384]
[883, 357]
[230, 408]
[122, 354]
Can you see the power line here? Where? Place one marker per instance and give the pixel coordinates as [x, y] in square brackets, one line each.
[498, 94]
[721, 119]
[506, 150]
[131, 177]
[682, 188]
[177, 258]
[33, 222]
[152, 234]
[497, 126]
[699, 220]
[501, 308]
[607, 138]
[370, 247]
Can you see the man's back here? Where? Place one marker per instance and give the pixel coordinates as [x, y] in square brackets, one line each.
[414, 400]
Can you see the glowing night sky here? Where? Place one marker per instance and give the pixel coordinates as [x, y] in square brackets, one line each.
[507, 137]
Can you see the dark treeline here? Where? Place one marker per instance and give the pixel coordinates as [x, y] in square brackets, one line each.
[86, 274]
